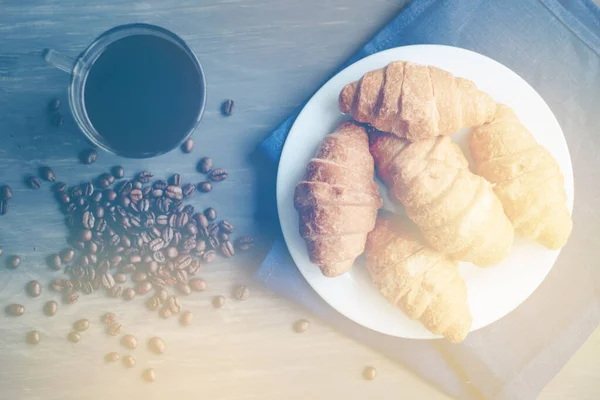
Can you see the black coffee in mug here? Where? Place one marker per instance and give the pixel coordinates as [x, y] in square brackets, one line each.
[143, 95]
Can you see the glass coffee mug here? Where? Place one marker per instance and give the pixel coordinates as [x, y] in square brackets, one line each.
[138, 90]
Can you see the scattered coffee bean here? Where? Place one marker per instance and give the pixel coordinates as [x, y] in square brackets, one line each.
[57, 120]
[153, 303]
[149, 375]
[145, 176]
[74, 337]
[210, 213]
[157, 345]
[55, 262]
[209, 256]
[205, 187]
[143, 288]
[67, 255]
[15, 310]
[128, 294]
[3, 207]
[33, 337]
[59, 187]
[54, 105]
[129, 341]
[369, 373]
[71, 298]
[165, 312]
[34, 182]
[13, 262]
[227, 107]
[198, 285]
[173, 304]
[227, 249]
[81, 325]
[86, 235]
[205, 165]
[118, 172]
[114, 329]
[242, 292]
[184, 288]
[174, 192]
[175, 180]
[128, 361]
[187, 146]
[218, 175]
[245, 243]
[112, 357]
[109, 318]
[188, 190]
[162, 295]
[301, 326]
[186, 318]
[51, 308]
[89, 156]
[48, 174]
[218, 301]
[6, 193]
[33, 288]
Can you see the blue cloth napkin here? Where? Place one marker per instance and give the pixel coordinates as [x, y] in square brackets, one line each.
[555, 46]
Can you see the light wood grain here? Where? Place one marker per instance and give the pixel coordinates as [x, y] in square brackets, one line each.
[247, 350]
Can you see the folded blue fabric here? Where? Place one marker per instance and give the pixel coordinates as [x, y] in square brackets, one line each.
[555, 46]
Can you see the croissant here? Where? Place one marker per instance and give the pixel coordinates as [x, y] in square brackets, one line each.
[526, 178]
[456, 210]
[337, 201]
[416, 101]
[424, 283]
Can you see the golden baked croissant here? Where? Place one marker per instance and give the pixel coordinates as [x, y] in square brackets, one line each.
[424, 283]
[526, 178]
[416, 101]
[338, 200]
[456, 210]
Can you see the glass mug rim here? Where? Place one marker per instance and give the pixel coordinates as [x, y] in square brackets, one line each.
[86, 59]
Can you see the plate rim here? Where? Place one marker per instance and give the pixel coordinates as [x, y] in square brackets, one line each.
[285, 150]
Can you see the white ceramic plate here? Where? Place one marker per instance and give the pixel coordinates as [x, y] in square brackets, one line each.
[493, 292]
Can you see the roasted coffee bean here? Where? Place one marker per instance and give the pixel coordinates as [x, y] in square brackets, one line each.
[301, 326]
[149, 375]
[112, 357]
[172, 252]
[135, 195]
[205, 187]
[153, 303]
[192, 229]
[100, 225]
[59, 187]
[210, 213]
[54, 105]
[218, 301]
[51, 308]
[181, 220]
[209, 256]
[176, 180]
[156, 193]
[214, 242]
[120, 277]
[71, 208]
[124, 187]
[226, 226]
[140, 276]
[242, 292]
[157, 281]
[183, 288]
[129, 294]
[110, 177]
[165, 312]
[143, 288]
[162, 295]
[181, 275]
[200, 247]
[109, 318]
[14, 262]
[115, 291]
[128, 361]
[33, 337]
[74, 337]
[128, 268]
[57, 120]
[118, 172]
[110, 194]
[173, 304]
[245, 243]
[88, 220]
[187, 146]
[55, 262]
[86, 235]
[105, 180]
[137, 184]
[145, 177]
[81, 325]
[188, 190]
[135, 258]
[97, 197]
[6, 193]
[156, 244]
[108, 281]
[89, 156]
[114, 329]
[223, 237]
[125, 241]
[369, 373]
[48, 174]
[129, 341]
[87, 188]
[198, 285]
[157, 345]
[33, 288]
[174, 192]
[218, 175]
[227, 249]
[186, 318]
[227, 108]
[34, 182]
[15, 310]
[160, 184]
[183, 261]
[99, 211]
[3, 207]
[205, 165]
[76, 192]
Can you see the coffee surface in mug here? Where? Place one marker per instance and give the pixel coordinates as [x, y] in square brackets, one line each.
[143, 94]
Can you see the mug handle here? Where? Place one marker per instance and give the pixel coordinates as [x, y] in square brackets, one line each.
[59, 61]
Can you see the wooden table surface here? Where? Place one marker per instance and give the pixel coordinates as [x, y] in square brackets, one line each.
[268, 55]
